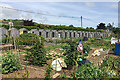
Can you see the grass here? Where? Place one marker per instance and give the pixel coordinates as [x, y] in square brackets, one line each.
[55, 46]
[22, 52]
[104, 43]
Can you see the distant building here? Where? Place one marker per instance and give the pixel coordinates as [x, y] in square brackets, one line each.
[22, 31]
[35, 31]
[3, 32]
[28, 23]
[14, 32]
[4, 22]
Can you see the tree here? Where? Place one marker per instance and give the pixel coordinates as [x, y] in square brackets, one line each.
[109, 26]
[101, 26]
[71, 26]
[116, 31]
[87, 28]
[91, 28]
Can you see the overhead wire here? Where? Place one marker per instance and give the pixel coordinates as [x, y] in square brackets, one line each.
[73, 17]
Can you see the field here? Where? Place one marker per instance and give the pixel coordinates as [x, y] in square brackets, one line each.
[61, 49]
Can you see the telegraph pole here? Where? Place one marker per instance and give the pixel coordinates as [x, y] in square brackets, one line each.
[81, 21]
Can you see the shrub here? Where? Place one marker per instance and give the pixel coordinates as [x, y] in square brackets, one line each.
[37, 54]
[47, 72]
[91, 71]
[111, 62]
[7, 39]
[86, 48]
[4, 40]
[112, 66]
[10, 63]
[71, 54]
[28, 39]
[88, 71]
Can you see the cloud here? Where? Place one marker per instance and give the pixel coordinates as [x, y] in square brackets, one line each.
[25, 15]
[90, 4]
[94, 12]
[115, 5]
[59, 0]
[8, 13]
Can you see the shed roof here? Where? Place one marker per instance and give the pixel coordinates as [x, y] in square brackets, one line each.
[33, 30]
[23, 29]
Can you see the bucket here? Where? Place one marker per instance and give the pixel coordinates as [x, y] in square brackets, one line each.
[117, 48]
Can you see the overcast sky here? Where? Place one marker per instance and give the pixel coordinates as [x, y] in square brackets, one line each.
[93, 12]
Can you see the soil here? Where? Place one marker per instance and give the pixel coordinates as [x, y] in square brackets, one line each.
[39, 72]
[34, 71]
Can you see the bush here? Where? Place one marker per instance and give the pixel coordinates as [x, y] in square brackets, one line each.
[10, 63]
[28, 39]
[91, 71]
[47, 72]
[4, 40]
[86, 48]
[7, 39]
[71, 54]
[112, 66]
[88, 71]
[111, 62]
[37, 54]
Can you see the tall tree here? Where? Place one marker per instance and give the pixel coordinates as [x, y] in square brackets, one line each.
[71, 25]
[87, 28]
[109, 26]
[101, 26]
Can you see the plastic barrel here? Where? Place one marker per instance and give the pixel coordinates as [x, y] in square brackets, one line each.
[117, 48]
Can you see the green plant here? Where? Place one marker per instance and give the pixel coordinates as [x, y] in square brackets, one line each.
[86, 48]
[63, 75]
[47, 73]
[27, 39]
[10, 63]
[112, 66]
[50, 41]
[71, 54]
[88, 71]
[55, 46]
[37, 54]
[25, 75]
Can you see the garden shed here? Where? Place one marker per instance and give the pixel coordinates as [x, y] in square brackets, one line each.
[35, 31]
[14, 32]
[22, 31]
[3, 32]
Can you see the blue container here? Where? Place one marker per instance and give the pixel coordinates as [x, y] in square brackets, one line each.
[117, 48]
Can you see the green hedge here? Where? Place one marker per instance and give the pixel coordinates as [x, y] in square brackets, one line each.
[53, 27]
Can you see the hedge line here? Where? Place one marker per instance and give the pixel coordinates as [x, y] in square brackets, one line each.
[53, 27]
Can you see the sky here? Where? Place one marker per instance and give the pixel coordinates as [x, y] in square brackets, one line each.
[64, 13]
